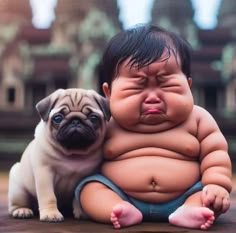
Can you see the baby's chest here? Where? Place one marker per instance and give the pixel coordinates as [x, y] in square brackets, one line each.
[180, 141]
[176, 140]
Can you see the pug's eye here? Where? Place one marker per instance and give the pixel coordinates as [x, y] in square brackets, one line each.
[94, 119]
[57, 119]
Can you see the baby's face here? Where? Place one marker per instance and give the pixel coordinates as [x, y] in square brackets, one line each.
[151, 99]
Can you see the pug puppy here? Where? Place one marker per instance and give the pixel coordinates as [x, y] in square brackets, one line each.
[66, 148]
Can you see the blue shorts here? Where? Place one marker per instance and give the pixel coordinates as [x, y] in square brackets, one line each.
[150, 211]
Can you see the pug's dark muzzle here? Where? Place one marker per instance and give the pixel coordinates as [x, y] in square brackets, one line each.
[76, 134]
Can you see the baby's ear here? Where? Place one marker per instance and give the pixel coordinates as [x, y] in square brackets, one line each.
[190, 81]
[106, 90]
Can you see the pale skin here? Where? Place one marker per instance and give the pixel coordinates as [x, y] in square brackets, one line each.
[156, 128]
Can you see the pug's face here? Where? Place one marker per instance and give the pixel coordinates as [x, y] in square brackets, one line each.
[76, 118]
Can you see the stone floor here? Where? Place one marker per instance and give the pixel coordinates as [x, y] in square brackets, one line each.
[226, 223]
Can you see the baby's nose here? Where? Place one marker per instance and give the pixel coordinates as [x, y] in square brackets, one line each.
[153, 96]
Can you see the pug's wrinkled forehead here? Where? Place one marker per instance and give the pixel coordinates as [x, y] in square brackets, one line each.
[73, 100]
[80, 104]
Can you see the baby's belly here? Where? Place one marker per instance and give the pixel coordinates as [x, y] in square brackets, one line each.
[151, 178]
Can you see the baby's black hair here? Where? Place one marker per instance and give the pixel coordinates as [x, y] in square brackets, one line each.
[144, 44]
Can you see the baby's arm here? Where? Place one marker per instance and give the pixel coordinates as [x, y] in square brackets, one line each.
[113, 141]
[215, 163]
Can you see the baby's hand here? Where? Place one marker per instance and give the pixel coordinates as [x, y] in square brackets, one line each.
[216, 198]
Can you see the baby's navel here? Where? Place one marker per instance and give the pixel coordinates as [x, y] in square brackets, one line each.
[154, 184]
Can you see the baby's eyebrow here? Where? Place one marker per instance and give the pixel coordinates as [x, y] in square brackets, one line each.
[142, 80]
[133, 67]
[161, 78]
[164, 75]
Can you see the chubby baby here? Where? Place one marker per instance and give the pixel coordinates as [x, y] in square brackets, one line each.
[165, 159]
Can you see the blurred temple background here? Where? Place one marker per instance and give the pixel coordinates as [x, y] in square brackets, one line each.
[34, 62]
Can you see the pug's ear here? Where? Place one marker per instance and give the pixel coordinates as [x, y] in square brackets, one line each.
[103, 103]
[45, 105]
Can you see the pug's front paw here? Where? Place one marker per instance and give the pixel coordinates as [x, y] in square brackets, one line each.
[49, 215]
[22, 213]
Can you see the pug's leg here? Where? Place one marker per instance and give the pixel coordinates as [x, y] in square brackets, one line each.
[18, 199]
[77, 210]
[46, 197]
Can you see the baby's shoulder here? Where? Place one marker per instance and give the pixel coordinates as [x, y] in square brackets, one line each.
[199, 111]
[201, 114]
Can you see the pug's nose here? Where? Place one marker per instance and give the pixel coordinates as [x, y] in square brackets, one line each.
[75, 122]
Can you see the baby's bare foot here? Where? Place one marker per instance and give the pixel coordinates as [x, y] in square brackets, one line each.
[192, 217]
[124, 215]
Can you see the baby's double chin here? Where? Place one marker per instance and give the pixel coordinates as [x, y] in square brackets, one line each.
[151, 126]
